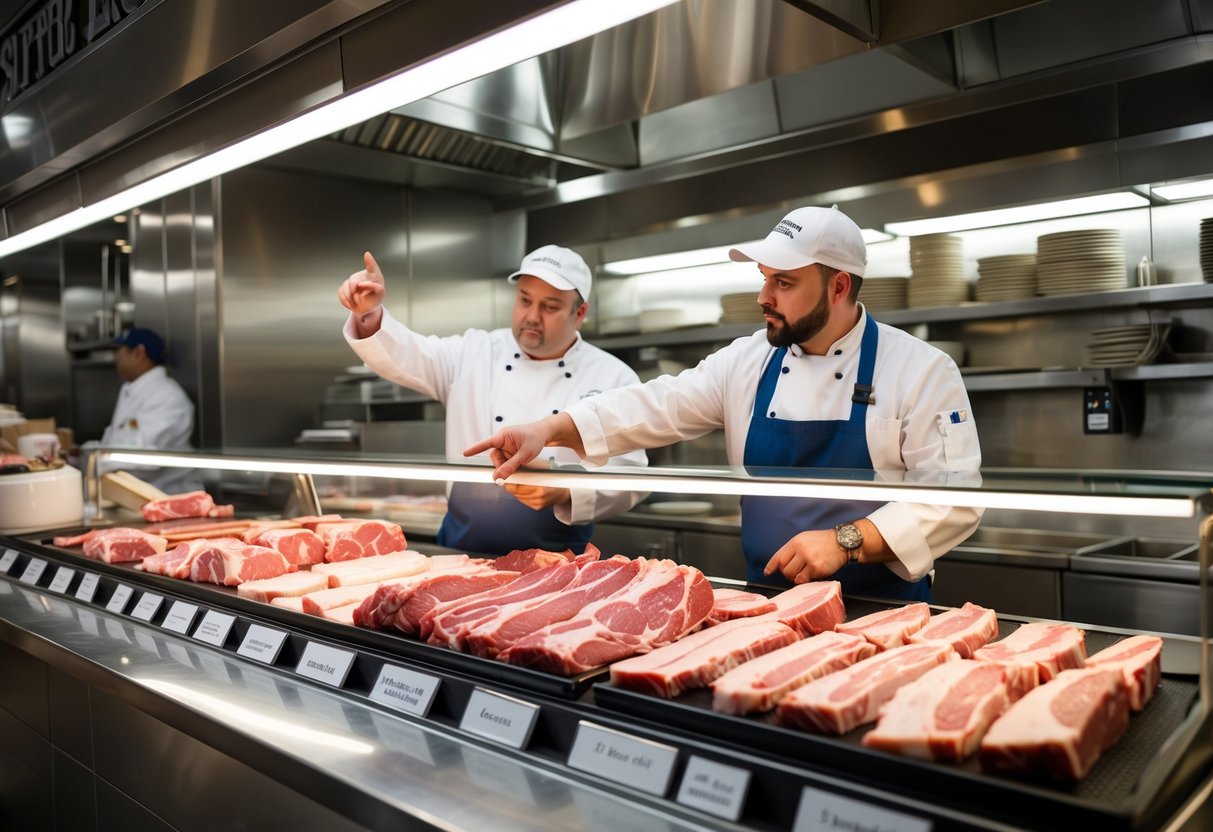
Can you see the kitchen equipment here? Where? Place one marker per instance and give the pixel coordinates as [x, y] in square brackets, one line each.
[41, 500]
[1147, 275]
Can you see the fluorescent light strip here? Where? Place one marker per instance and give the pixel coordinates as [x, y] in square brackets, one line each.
[1185, 190]
[831, 489]
[550, 30]
[700, 257]
[1023, 213]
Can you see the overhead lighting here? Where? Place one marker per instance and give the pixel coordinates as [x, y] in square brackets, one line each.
[1184, 190]
[1024, 213]
[700, 257]
[550, 30]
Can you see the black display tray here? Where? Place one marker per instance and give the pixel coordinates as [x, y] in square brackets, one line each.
[386, 642]
[1115, 795]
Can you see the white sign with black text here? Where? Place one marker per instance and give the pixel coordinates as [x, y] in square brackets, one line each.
[88, 587]
[7, 560]
[820, 811]
[621, 758]
[33, 571]
[63, 578]
[325, 664]
[117, 602]
[714, 787]
[146, 609]
[502, 719]
[405, 690]
[180, 617]
[215, 627]
[262, 644]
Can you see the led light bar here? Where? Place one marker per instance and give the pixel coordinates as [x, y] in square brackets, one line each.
[700, 257]
[1024, 213]
[1185, 190]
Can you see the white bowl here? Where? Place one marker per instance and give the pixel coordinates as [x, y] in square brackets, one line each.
[41, 500]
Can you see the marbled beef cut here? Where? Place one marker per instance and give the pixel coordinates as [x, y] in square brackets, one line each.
[889, 628]
[1139, 658]
[117, 545]
[191, 504]
[235, 562]
[352, 539]
[809, 608]
[1035, 653]
[967, 629]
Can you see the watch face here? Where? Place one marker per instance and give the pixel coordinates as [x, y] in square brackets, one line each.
[849, 537]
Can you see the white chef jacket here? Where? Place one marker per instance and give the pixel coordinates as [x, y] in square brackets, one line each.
[154, 412]
[487, 381]
[921, 422]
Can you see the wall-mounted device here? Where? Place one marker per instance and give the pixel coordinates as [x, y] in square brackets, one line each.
[1118, 407]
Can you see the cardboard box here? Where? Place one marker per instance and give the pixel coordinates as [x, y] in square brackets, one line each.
[9, 433]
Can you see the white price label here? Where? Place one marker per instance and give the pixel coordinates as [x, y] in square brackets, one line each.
[325, 664]
[820, 811]
[63, 578]
[502, 719]
[33, 571]
[117, 602]
[262, 644]
[146, 609]
[215, 627]
[7, 560]
[88, 587]
[180, 617]
[714, 788]
[405, 690]
[630, 761]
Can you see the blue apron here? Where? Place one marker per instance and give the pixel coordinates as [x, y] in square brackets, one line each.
[485, 519]
[767, 523]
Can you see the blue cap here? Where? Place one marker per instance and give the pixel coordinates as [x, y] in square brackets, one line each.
[152, 343]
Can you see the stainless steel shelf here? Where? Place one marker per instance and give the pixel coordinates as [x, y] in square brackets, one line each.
[1085, 377]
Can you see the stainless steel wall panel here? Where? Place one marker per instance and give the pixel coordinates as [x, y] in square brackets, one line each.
[179, 301]
[68, 716]
[118, 813]
[726, 119]
[27, 745]
[46, 203]
[75, 801]
[208, 400]
[42, 361]
[26, 800]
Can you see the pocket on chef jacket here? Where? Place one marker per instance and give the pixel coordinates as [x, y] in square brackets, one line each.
[884, 444]
[960, 448]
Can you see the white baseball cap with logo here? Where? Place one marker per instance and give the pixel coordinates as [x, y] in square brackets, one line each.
[807, 236]
[559, 267]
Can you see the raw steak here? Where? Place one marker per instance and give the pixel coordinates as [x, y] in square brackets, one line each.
[760, 684]
[528, 560]
[352, 539]
[116, 545]
[290, 584]
[1059, 730]
[235, 562]
[403, 604]
[889, 628]
[177, 562]
[848, 698]
[736, 603]
[1140, 660]
[374, 569]
[1035, 653]
[299, 546]
[664, 602]
[701, 658]
[595, 581]
[191, 504]
[966, 629]
[810, 608]
[944, 714]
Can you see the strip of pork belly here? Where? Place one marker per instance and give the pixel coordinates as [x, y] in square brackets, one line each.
[352, 539]
[379, 610]
[728, 604]
[662, 604]
[447, 622]
[231, 562]
[760, 684]
[451, 585]
[850, 697]
[889, 628]
[374, 569]
[809, 608]
[289, 602]
[701, 658]
[1059, 730]
[342, 615]
[966, 628]
[290, 584]
[1140, 660]
[944, 713]
[1035, 653]
[123, 545]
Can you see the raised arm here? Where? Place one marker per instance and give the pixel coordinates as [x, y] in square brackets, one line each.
[362, 293]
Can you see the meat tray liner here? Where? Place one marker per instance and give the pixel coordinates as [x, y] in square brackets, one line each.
[1108, 788]
[382, 641]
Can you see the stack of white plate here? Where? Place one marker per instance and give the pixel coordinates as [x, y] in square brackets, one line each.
[1077, 262]
[1120, 345]
[937, 264]
[1206, 248]
[1006, 277]
[740, 308]
[884, 294]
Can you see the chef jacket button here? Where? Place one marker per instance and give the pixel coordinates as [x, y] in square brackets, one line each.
[500, 419]
[561, 364]
[772, 414]
[554, 412]
[509, 366]
[838, 352]
[568, 375]
[838, 375]
[784, 370]
[518, 355]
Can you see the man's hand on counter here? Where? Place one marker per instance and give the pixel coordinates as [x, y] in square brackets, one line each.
[512, 447]
[362, 293]
[538, 497]
[809, 556]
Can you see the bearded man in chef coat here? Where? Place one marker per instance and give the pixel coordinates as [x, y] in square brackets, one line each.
[537, 367]
[824, 386]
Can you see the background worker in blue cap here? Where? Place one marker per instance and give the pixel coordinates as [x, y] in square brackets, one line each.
[152, 411]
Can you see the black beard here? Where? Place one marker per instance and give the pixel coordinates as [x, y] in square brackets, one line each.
[801, 330]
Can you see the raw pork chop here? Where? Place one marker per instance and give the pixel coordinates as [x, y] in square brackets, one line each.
[736, 603]
[402, 604]
[191, 504]
[966, 629]
[177, 562]
[759, 684]
[1059, 730]
[235, 562]
[528, 560]
[351, 539]
[1140, 659]
[848, 698]
[256, 527]
[701, 658]
[299, 546]
[944, 714]
[810, 608]
[1035, 653]
[290, 584]
[374, 569]
[889, 628]
[664, 602]
[116, 545]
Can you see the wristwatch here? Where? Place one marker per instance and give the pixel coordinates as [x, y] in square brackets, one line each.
[850, 539]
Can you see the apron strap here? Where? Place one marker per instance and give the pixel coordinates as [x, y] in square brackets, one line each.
[862, 397]
[767, 383]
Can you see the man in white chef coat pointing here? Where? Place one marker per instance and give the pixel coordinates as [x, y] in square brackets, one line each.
[487, 380]
[824, 386]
